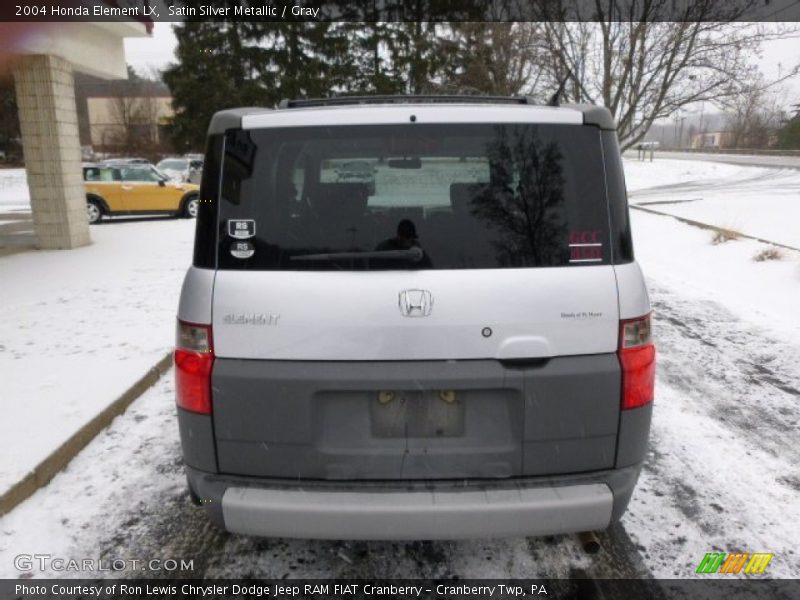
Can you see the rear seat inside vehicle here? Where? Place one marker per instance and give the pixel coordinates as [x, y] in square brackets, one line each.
[342, 217]
[339, 208]
[463, 197]
[339, 201]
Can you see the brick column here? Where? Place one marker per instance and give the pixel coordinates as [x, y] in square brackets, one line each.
[49, 124]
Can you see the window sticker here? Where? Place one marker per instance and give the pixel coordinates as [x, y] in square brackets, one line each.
[243, 249]
[585, 246]
[241, 229]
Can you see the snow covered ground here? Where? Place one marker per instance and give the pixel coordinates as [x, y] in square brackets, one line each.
[722, 471]
[79, 328]
[641, 175]
[14, 191]
[760, 202]
[721, 474]
[682, 257]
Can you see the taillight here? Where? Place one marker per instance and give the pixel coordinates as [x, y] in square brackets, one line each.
[194, 357]
[637, 356]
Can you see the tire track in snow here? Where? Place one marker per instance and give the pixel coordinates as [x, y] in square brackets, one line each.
[741, 376]
[748, 182]
[721, 470]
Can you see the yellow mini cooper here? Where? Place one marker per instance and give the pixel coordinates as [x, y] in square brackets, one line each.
[132, 189]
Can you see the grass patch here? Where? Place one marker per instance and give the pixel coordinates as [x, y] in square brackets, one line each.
[722, 235]
[768, 254]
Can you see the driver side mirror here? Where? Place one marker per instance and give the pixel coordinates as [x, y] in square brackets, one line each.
[161, 183]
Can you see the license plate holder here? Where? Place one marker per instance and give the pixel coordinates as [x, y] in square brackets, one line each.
[415, 414]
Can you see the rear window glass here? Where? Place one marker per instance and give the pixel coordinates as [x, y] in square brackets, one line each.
[100, 174]
[456, 196]
[139, 174]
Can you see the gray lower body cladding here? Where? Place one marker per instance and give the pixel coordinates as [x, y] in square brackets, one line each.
[415, 419]
[415, 450]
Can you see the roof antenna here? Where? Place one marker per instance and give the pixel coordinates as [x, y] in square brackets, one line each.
[554, 99]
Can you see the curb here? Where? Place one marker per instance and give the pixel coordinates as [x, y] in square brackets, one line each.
[42, 473]
[711, 227]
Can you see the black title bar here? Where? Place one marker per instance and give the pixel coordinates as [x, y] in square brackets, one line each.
[710, 587]
[153, 11]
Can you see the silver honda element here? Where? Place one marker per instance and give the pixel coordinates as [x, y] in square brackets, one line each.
[456, 345]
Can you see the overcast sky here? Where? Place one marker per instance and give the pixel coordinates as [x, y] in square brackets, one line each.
[155, 52]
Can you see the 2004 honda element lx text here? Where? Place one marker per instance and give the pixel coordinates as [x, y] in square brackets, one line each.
[456, 344]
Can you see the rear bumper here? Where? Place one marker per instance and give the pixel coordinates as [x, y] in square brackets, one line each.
[416, 515]
[415, 510]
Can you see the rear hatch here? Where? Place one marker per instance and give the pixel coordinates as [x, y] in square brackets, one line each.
[452, 315]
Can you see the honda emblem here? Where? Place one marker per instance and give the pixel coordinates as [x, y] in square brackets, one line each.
[415, 303]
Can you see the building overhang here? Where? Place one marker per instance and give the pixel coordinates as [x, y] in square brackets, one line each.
[95, 48]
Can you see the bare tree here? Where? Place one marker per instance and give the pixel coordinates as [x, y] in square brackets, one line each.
[626, 55]
[134, 111]
[753, 117]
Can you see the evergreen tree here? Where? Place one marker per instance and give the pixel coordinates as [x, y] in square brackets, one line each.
[214, 71]
[301, 59]
[132, 74]
[9, 121]
[491, 58]
[229, 64]
[789, 134]
[419, 55]
[372, 47]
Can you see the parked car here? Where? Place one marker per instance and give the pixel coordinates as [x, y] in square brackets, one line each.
[195, 171]
[182, 169]
[465, 352]
[129, 189]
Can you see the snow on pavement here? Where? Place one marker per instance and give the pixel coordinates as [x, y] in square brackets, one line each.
[79, 328]
[760, 202]
[721, 474]
[131, 466]
[640, 175]
[14, 195]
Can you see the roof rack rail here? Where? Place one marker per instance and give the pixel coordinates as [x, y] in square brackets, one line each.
[401, 99]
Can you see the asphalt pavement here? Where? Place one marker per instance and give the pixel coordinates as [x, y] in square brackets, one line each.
[16, 231]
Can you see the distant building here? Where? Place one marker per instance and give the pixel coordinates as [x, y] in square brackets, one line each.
[111, 113]
[712, 139]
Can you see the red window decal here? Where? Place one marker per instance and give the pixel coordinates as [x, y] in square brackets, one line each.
[585, 246]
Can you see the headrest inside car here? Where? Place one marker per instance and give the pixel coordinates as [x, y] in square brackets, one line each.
[339, 200]
[462, 195]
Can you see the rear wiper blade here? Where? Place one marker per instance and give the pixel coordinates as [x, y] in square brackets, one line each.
[414, 254]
